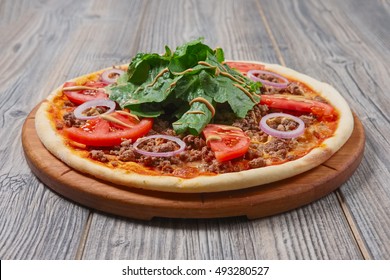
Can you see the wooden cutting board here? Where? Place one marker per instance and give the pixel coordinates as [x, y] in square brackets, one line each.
[252, 202]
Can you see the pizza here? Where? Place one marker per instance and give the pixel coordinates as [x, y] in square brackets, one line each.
[190, 121]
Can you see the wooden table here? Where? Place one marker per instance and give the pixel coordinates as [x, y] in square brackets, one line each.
[346, 43]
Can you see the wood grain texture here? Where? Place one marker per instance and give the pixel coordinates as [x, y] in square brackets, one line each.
[224, 239]
[350, 48]
[35, 222]
[43, 43]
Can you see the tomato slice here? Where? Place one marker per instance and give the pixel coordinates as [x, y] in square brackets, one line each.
[244, 67]
[102, 133]
[227, 142]
[308, 106]
[80, 96]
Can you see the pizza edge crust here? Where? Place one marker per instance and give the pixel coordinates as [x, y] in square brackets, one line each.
[215, 183]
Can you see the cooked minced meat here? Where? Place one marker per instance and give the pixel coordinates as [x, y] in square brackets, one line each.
[70, 120]
[198, 153]
[252, 119]
[98, 155]
[292, 88]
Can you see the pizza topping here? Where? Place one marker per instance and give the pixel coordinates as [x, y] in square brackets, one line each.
[268, 78]
[294, 103]
[76, 88]
[166, 146]
[115, 120]
[183, 98]
[99, 132]
[244, 67]
[79, 94]
[93, 108]
[167, 85]
[126, 113]
[212, 138]
[205, 102]
[227, 142]
[280, 125]
[77, 144]
[70, 120]
[250, 95]
[98, 155]
[110, 76]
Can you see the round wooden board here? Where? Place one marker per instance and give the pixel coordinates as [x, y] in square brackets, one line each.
[252, 202]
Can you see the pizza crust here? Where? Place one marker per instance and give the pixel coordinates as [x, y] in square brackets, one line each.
[215, 183]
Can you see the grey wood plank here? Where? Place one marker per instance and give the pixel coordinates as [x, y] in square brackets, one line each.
[42, 45]
[306, 233]
[347, 44]
[318, 231]
[31, 224]
[35, 222]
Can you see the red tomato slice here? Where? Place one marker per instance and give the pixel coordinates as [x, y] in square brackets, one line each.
[308, 106]
[101, 133]
[227, 142]
[244, 67]
[80, 96]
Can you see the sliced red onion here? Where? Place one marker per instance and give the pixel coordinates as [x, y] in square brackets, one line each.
[282, 134]
[78, 112]
[251, 75]
[178, 141]
[110, 76]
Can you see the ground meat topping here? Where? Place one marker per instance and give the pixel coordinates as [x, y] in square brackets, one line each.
[257, 163]
[68, 104]
[221, 167]
[70, 120]
[262, 151]
[198, 157]
[254, 151]
[252, 119]
[194, 146]
[278, 147]
[308, 119]
[282, 123]
[194, 142]
[95, 111]
[162, 127]
[257, 136]
[292, 88]
[166, 165]
[98, 155]
[127, 154]
[158, 145]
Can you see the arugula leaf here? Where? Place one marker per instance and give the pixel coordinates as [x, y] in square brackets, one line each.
[198, 115]
[141, 65]
[186, 85]
[155, 88]
[219, 54]
[147, 110]
[227, 87]
[196, 118]
[188, 55]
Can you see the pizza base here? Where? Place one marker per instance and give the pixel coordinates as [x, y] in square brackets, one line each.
[214, 183]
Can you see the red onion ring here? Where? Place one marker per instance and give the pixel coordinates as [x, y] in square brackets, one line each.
[78, 112]
[178, 141]
[282, 134]
[251, 75]
[110, 76]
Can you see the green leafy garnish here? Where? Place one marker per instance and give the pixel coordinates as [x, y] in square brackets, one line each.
[184, 86]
